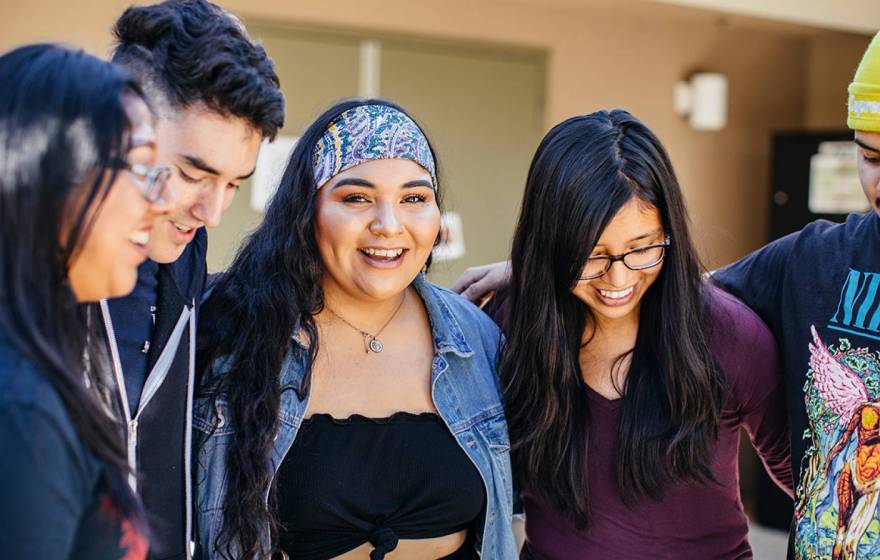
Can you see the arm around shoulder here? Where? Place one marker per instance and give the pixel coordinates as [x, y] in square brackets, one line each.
[752, 366]
[757, 278]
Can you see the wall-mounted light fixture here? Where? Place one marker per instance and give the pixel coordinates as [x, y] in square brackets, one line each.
[703, 100]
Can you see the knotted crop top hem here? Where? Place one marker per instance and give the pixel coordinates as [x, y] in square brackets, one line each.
[349, 481]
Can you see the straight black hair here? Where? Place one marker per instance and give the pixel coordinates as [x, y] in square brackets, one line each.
[274, 287]
[63, 126]
[584, 171]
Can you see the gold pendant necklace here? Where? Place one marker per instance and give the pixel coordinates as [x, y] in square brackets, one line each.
[371, 341]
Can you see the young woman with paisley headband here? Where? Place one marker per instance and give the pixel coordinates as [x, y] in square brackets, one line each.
[627, 378]
[349, 408]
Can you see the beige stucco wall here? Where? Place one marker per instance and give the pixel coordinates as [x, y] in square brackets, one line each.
[847, 15]
[600, 54]
[833, 61]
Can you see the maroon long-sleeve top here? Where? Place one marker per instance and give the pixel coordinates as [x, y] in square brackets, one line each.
[693, 520]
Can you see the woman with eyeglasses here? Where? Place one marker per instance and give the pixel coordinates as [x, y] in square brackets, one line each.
[78, 193]
[626, 376]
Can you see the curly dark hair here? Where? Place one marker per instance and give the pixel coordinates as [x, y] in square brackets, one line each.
[273, 285]
[186, 52]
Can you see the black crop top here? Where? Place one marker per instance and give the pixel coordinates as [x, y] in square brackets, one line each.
[347, 482]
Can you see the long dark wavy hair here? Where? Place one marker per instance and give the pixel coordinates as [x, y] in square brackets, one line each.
[584, 171]
[273, 287]
[63, 126]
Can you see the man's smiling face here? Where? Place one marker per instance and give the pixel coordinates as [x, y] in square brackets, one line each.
[210, 155]
[869, 165]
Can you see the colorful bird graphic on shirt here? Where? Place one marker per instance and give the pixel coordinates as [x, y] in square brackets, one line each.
[838, 494]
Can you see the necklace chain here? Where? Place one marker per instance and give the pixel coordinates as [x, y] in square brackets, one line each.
[371, 341]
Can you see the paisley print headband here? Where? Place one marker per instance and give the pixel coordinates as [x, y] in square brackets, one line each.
[369, 132]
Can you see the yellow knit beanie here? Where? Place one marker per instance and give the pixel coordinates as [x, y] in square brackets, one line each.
[864, 91]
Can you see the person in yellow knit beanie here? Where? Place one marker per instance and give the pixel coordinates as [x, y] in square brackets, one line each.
[864, 91]
[817, 289]
[819, 292]
[864, 119]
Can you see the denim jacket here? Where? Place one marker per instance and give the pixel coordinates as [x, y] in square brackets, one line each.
[464, 388]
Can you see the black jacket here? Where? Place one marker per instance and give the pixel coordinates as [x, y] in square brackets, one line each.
[159, 441]
[54, 499]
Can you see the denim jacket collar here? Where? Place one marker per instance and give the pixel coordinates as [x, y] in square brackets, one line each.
[448, 336]
[464, 389]
[445, 329]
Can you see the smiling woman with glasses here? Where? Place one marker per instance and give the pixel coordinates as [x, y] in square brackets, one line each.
[640, 258]
[73, 229]
[626, 377]
[151, 181]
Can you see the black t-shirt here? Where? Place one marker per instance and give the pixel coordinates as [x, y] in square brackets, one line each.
[819, 292]
[53, 503]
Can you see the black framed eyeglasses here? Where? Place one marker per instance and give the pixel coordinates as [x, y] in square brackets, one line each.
[152, 181]
[640, 258]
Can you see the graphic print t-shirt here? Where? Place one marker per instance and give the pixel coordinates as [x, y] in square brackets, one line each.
[819, 292]
[53, 499]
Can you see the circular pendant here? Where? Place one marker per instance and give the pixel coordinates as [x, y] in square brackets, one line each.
[376, 345]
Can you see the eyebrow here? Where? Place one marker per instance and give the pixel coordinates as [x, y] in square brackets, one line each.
[247, 176]
[418, 183]
[354, 181]
[201, 165]
[641, 237]
[866, 146]
[647, 235]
